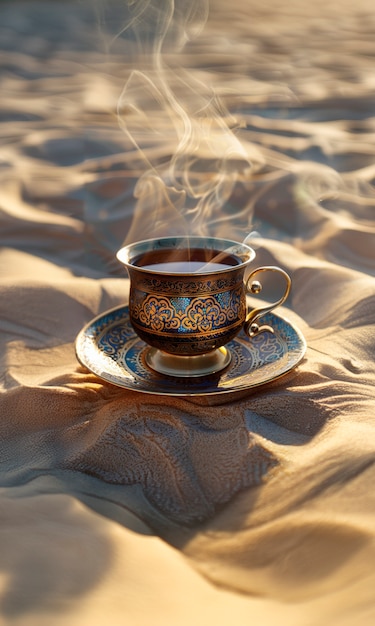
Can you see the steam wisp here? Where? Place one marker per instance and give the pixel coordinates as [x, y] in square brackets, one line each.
[185, 137]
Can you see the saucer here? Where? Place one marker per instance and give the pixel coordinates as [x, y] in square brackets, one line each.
[109, 348]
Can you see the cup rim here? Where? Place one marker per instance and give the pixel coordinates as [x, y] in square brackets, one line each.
[241, 250]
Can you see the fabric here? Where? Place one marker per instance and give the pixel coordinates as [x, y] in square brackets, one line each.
[250, 121]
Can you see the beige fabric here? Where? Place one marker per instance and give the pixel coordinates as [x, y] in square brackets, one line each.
[144, 510]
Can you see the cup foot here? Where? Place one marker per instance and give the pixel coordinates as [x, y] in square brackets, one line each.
[187, 366]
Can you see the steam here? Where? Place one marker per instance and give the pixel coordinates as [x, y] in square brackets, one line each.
[193, 162]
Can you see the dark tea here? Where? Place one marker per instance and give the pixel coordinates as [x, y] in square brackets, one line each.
[186, 261]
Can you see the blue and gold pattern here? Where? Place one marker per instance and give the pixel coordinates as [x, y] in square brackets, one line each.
[187, 315]
[180, 314]
[180, 310]
[109, 347]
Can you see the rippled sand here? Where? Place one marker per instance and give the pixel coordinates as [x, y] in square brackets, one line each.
[139, 509]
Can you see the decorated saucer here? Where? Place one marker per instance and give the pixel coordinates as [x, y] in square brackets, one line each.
[109, 347]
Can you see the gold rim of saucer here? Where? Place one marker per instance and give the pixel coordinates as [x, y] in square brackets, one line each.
[187, 366]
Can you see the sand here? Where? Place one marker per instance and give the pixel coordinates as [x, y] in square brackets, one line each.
[127, 508]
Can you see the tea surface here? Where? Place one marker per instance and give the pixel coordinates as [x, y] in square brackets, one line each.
[186, 261]
[186, 267]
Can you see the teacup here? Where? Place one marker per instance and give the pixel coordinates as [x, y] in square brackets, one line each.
[187, 300]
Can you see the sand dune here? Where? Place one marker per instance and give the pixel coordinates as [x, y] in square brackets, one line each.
[143, 509]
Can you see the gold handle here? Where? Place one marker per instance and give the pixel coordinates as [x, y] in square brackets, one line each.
[254, 287]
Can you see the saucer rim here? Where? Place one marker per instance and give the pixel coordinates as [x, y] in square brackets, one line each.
[136, 386]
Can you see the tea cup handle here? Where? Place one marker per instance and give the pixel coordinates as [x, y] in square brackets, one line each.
[254, 287]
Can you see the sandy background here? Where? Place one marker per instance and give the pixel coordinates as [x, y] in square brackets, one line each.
[143, 510]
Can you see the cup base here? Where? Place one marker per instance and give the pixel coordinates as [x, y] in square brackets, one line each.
[188, 366]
